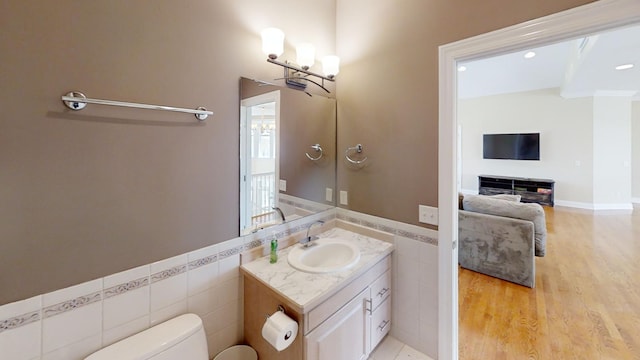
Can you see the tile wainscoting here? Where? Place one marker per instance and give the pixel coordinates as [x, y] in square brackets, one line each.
[73, 322]
[414, 305]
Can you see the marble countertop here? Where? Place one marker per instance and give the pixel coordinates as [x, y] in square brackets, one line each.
[308, 290]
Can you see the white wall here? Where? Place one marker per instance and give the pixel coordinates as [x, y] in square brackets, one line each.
[566, 133]
[612, 151]
[635, 151]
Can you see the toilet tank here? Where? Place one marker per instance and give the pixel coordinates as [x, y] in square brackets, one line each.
[181, 338]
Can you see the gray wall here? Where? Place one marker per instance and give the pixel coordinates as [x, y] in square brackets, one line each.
[388, 91]
[86, 194]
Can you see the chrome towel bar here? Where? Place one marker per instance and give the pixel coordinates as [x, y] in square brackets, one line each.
[76, 100]
[358, 150]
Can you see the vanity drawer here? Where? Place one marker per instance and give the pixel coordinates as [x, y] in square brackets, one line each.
[380, 322]
[380, 290]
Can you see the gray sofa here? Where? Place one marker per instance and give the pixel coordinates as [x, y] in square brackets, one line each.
[500, 236]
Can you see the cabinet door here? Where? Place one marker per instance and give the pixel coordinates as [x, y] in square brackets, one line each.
[343, 336]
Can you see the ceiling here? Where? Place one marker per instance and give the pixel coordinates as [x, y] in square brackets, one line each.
[580, 67]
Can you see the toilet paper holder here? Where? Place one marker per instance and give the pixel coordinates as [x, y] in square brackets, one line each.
[279, 330]
[280, 308]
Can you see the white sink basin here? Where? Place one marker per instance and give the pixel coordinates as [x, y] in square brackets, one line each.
[326, 255]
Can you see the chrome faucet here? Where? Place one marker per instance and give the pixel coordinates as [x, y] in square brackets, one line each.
[279, 212]
[306, 241]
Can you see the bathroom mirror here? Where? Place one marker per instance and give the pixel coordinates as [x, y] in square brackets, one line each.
[287, 154]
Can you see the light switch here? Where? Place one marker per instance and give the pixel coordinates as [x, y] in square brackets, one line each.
[343, 198]
[328, 194]
[428, 214]
[283, 185]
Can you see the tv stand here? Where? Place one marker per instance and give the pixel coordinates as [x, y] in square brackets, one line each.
[531, 190]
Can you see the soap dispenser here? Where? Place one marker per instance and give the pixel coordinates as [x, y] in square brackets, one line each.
[274, 250]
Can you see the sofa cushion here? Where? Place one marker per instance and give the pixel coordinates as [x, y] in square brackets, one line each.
[509, 197]
[525, 211]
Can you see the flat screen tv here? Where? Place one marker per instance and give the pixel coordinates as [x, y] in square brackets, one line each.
[511, 146]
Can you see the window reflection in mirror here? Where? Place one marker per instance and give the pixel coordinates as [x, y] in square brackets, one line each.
[282, 175]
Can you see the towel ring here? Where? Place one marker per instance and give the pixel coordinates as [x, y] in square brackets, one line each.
[318, 149]
[358, 149]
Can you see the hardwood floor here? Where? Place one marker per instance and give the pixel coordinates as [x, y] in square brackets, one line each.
[586, 304]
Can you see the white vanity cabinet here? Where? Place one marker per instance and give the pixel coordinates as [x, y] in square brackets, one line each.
[340, 316]
[358, 325]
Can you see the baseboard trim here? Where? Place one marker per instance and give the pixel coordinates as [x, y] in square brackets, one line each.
[595, 207]
[635, 200]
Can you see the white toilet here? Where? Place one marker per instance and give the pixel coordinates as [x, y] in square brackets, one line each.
[181, 338]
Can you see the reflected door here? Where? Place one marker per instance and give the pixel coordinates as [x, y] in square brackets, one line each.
[259, 148]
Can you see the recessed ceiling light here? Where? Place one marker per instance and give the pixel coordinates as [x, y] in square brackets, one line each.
[462, 68]
[624, 66]
[529, 55]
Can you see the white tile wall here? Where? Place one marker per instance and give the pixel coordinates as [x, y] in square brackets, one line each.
[21, 329]
[74, 322]
[414, 317]
[71, 323]
[415, 306]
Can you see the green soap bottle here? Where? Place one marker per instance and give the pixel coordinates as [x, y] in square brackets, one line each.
[274, 250]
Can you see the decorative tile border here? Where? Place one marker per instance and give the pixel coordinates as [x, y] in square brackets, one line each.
[230, 252]
[305, 206]
[265, 237]
[128, 286]
[254, 244]
[203, 261]
[165, 274]
[21, 320]
[388, 228]
[72, 304]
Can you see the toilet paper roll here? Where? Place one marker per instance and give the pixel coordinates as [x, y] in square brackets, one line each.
[280, 330]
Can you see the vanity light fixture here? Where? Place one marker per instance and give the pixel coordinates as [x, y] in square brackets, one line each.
[298, 75]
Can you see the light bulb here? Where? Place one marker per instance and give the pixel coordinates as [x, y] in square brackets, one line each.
[330, 65]
[272, 42]
[305, 55]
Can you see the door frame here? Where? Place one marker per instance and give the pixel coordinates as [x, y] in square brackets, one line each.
[245, 152]
[591, 18]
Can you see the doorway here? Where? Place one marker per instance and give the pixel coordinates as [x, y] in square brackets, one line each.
[259, 165]
[595, 17]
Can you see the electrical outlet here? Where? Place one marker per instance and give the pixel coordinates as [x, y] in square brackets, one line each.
[343, 198]
[328, 194]
[283, 185]
[428, 214]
